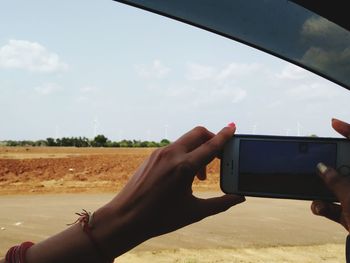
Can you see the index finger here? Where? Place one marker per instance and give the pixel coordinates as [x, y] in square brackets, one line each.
[205, 153]
[194, 138]
[341, 127]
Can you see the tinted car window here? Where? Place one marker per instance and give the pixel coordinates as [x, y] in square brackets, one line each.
[282, 28]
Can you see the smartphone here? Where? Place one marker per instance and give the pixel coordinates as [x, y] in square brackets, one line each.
[281, 166]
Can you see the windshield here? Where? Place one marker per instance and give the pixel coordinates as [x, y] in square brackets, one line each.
[281, 28]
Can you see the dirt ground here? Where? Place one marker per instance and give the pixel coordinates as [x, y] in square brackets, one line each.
[42, 188]
[75, 170]
[260, 230]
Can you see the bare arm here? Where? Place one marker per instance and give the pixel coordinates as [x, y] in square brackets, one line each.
[158, 199]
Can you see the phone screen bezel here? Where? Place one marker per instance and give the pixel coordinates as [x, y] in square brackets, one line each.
[229, 173]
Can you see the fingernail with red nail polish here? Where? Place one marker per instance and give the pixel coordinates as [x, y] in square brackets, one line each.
[231, 124]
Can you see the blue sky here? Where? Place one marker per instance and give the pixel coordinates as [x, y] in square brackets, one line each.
[78, 68]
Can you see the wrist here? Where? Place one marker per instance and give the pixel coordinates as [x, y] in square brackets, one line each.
[115, 231]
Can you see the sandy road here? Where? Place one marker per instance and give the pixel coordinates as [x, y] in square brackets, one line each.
[258, 223]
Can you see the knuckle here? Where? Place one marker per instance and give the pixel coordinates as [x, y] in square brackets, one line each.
[155, 153]
[212, 145]
[163, 153]
[185, 166]
[200, 130]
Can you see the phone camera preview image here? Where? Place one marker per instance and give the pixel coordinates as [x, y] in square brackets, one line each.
[284, 168]
[303, 147]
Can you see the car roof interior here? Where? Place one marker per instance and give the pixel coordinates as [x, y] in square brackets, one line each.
[333, 11]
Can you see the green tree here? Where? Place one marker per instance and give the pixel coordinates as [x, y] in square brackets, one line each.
[40, 143]
[100, 141]
[115, 144]
[164, 142]
[126, 143]
[152, 144]
[51, 142]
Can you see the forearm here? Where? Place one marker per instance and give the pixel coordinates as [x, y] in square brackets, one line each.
[67, 246]
[112, 233]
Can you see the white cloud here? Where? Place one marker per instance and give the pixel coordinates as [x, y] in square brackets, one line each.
[238, 70]
[82, 99]
[205, 95]
[156, 70]
[231, 71]
[88, 89]
[218, 85]
[86, 94]
[197, 71]
[274, 104]
[292, 72]
[47, 88]
[22, 54]
[314, 91]
[220, 95]
[213, 86]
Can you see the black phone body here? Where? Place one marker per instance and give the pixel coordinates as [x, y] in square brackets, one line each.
[281, 166]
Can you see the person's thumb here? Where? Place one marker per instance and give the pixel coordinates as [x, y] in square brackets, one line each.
[215, 205]
[338, 184]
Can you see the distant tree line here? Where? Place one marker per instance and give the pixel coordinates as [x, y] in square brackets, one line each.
[98, 141]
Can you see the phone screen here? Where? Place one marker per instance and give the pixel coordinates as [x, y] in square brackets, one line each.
[287, 168]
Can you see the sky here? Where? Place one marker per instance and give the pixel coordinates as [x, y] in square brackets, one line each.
[81, 68]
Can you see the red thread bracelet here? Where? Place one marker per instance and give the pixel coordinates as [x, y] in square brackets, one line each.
[16, 254]
[86, 221]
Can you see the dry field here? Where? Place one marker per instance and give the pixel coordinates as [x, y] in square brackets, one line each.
[41, 188]
[75, 170]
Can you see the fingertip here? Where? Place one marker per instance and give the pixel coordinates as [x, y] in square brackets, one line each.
[322, 168]
[241, 199]
[335, 122]
[341, 127]
[232, 125]
[202, 177]
[227, 132]
[220, 204]
[318, 208]
[328, 174]
[202, 174]
[236, 199]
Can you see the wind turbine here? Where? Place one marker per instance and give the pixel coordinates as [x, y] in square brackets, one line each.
[254, 128]
[56, 132]
[166, 127]
[287, 131]
[120, 133]
[299, 128]
[95, 124]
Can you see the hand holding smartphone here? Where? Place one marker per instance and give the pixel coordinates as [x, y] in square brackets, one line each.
[281, 166]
